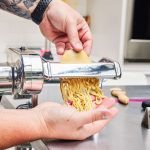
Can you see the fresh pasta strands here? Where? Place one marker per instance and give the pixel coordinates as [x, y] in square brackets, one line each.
[77, 91]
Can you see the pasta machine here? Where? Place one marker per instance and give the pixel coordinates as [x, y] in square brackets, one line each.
[26, 71]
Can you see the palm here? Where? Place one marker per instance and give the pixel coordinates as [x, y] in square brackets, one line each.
[65, 122]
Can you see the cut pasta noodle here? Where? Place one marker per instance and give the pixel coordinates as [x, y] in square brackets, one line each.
[77, 91]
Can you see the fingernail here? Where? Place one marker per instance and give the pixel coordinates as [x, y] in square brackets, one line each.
[78, 45]
[60, 51]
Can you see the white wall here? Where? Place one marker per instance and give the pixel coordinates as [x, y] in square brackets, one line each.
[106, 26]
[105, 19]
[79, 5]
[16, 31]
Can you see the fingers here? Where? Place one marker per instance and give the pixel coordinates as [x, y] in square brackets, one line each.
[107, 103]
[87, 117]
[85, 36]
[73, 36]
[87, 46]
[92, 128]
[102, 112]
[60, 46]
[86, 39]
[68, 46]
[77, 37]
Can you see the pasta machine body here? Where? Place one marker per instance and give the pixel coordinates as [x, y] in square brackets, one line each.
[25, 71]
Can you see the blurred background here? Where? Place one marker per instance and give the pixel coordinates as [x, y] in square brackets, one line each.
[120, 28]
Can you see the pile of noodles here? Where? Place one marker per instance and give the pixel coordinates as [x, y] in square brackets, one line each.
[78, 92]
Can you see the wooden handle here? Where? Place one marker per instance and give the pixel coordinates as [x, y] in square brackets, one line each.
[121, 95]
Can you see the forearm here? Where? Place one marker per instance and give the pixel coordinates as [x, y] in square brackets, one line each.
[18, 126]
[22, 8]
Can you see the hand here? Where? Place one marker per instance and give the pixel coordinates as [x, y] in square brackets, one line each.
[66, 28]
[65, 122]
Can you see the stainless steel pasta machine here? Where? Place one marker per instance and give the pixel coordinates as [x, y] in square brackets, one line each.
[25, 71]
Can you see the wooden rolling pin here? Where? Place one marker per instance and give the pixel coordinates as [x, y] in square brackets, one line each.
[121, 95]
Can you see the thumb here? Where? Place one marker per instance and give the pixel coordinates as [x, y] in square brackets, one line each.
[73, 36]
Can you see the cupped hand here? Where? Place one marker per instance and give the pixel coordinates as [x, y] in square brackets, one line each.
[64, 122]
[66, 28]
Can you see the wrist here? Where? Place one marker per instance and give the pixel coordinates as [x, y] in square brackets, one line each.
[31, 9]
[40, 116]
[38, 123]
[38, 12]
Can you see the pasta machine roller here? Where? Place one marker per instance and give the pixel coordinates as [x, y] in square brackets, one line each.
[25, 71]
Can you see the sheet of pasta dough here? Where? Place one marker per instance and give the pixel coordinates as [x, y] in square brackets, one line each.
[78, 91]
[71, 57]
